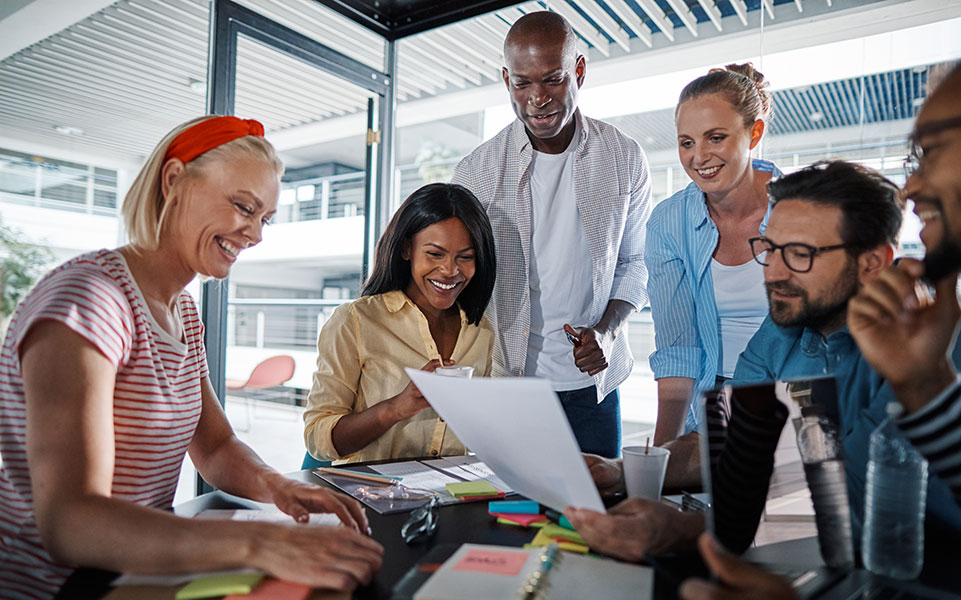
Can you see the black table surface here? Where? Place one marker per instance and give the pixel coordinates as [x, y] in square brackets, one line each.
[457, 524]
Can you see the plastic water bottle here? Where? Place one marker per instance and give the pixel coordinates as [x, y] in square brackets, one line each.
[897, 486]
[824, 470]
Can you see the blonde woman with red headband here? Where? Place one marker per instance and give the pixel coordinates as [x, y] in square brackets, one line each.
[104, 387]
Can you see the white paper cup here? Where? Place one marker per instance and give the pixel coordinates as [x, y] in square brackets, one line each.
[455, 371]
[644, 473]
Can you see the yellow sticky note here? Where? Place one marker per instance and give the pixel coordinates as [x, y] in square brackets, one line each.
[542, 539]
[219, 585]
[472, 488]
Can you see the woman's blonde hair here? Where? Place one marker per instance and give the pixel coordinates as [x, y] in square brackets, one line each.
[743, 86]
[145, 209]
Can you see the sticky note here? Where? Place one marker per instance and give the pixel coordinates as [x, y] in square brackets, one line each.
[514, 507]
[472, 488]
[562, 533]
[275, 589]
[219, 585]
[497, 562]
[524, 520]
[541, 539]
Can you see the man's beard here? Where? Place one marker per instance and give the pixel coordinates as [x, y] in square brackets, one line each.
[944, 259]
[818, 315]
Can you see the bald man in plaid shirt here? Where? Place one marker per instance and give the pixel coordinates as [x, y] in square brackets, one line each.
[568, 198]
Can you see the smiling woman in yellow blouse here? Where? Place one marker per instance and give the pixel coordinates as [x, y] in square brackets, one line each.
[423, 306]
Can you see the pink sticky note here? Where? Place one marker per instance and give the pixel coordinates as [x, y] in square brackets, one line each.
[523, 519]
[497, 562]
[275, 589]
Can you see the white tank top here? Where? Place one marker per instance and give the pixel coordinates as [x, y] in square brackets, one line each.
[741, 308]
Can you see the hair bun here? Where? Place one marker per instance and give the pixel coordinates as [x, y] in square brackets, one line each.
[757, 78]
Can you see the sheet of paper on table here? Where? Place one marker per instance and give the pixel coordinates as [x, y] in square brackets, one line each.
[469, 467]
[414, 474]
[517, 427]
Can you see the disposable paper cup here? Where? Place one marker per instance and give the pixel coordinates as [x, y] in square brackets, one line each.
[455, 371]
[644, 473]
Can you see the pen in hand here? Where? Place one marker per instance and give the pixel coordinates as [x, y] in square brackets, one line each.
[572, 335]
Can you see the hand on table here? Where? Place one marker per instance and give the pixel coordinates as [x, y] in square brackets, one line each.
[319, 556]
[634, 527]
[608, 473]
[904, 334]
[298, 499]
[411, 401]
[739, 580]
[589, 356]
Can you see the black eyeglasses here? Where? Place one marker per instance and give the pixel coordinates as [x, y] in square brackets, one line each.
[797, 257]
[915, 158]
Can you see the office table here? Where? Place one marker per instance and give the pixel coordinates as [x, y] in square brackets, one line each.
[457, 524]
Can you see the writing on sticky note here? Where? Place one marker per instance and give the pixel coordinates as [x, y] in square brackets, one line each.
[472, 488]
[496, 562]
[219, 585]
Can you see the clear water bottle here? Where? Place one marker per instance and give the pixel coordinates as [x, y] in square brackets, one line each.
[897, 486]
[820, 449]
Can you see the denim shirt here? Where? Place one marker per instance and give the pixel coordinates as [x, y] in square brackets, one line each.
[781, 354]
[681, 238]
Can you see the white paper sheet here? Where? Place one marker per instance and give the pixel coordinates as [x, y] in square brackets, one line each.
[268, 515]
[415, 475]
[517, 427]
[470, 468]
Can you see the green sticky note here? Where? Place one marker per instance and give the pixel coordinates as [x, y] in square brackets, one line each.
[219, 585]
[472, 488]
[558, 532]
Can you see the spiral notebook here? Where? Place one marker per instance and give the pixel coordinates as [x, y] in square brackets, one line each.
[482, 572]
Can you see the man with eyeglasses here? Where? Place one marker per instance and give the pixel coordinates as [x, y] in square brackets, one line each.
[904, 332]
[832, 231]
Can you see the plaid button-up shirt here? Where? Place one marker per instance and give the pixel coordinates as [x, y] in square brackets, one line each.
[613, 190]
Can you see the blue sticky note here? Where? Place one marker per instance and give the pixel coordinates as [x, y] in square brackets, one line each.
[514, 507]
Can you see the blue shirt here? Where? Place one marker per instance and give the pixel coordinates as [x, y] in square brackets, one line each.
[681, 238]
[779, 354]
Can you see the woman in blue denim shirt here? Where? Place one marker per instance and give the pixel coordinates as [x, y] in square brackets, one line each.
[706, 289]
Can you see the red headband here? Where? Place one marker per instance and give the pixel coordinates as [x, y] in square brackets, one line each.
[209, 134]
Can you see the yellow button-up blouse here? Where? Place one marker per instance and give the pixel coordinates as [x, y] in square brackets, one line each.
[362, 351]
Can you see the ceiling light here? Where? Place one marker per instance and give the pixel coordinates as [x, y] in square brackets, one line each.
[816, 116]
[67, 130]
[196, 85]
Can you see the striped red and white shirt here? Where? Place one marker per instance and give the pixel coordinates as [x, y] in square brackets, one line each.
[156, 403]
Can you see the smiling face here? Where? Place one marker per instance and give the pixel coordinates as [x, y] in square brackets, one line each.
[441, 260]
[219, 212]
[543, 76]
[816, 299]
[939, 180]
[713, 144]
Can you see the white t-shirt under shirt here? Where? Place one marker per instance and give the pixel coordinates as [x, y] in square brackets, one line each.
[560, 271]
[741, 308]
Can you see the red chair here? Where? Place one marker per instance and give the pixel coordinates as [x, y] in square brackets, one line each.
[270, 372]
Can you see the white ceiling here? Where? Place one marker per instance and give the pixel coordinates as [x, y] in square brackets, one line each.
[124, 73]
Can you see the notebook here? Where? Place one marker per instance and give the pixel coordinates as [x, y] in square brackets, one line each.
[482, 572]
